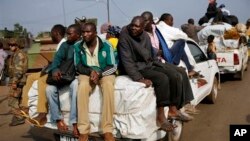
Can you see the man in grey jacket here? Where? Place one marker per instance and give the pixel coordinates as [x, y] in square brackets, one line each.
[171, 84]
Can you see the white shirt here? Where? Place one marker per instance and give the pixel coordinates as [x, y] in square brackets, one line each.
[60, 43]
[170, 33]
[225, 11]
[92, 60]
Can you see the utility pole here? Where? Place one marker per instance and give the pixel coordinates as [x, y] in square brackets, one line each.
[108, 11]
[64, 16]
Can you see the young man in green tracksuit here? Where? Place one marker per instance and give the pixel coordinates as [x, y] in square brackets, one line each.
[96, 65]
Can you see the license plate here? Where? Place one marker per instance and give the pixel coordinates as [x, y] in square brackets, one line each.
[70, 137]
[67, 138]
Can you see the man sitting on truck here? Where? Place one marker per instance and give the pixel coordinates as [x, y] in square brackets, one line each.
[96, 65]
[57, 35]
[65, 52]
[171, 84]
[173, 39]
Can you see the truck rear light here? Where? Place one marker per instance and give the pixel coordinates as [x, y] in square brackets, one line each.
[236, 59]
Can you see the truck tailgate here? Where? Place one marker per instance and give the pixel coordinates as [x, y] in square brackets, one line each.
[225, 58]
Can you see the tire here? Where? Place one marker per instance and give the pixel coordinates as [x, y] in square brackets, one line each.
[175, 135]
[211, 98]
[239, 74]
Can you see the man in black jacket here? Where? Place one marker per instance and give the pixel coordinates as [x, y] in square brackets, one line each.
[212, 9]
[171, 84]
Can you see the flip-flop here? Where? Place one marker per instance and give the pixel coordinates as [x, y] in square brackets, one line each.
[180, 116]
[21, 113]
[201, 82]
[196, 75]
[167, 126]
[34, 122]
[192, 111]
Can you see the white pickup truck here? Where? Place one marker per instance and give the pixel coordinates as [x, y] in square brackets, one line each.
[232, 57]
[232, 54]
[135, 114]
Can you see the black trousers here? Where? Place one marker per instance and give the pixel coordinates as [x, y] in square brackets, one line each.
[171, 85]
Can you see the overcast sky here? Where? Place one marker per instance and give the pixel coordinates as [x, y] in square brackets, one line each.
[41, 15]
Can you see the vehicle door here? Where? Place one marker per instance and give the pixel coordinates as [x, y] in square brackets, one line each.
[204, 66]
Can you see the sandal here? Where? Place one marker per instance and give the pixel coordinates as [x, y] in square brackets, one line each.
[201, 82]
[37, 122]
[23, 113]
[167, 126]
[194, 74]
[191, 109]
[181, 116]
[34, 122]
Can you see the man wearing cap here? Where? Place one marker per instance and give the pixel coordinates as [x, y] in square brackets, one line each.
[17, 67]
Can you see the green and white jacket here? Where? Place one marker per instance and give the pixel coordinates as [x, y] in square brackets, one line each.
[106, 59]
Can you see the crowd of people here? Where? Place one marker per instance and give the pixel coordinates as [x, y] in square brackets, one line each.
[146, 51]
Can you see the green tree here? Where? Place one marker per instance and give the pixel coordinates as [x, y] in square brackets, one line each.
[20, 31]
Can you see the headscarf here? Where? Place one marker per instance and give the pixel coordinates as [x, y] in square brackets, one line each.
[114, 31]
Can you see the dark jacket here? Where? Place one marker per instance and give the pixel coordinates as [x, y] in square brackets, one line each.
[135, 54]
[61, 56]
[212, 10]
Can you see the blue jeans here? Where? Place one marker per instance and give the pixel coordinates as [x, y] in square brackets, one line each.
[179, 53]
[53, 100]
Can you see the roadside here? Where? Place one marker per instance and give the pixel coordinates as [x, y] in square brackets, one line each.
[15, 133]
[213, 122]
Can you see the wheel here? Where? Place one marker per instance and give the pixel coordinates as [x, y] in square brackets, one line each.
[245, 69]
[175, 135]
[211, 98]
[239, 74]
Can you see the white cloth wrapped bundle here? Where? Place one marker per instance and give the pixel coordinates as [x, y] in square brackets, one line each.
[135, 106]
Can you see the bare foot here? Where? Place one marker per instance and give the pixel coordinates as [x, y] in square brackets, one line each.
[75, 130]
[61, 126]
[166, 126]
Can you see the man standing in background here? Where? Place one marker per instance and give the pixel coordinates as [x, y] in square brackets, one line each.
[17, 68]
[191, 30]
